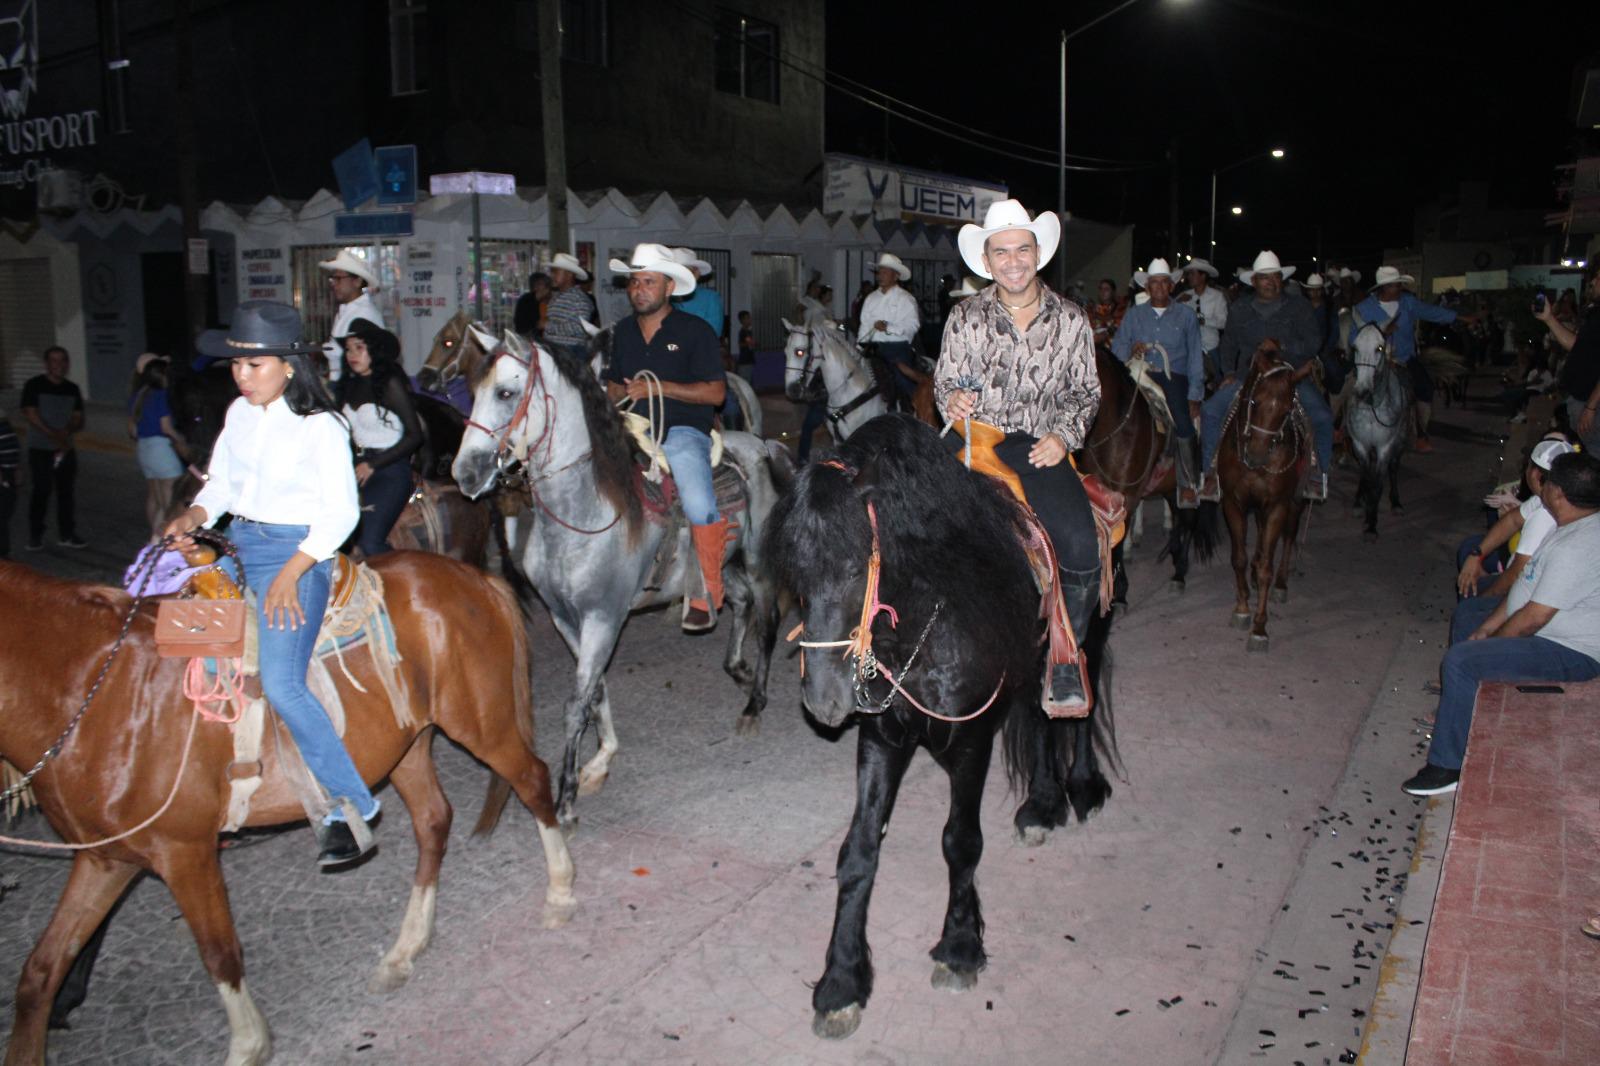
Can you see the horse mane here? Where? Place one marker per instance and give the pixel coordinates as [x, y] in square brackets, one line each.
[611, 446]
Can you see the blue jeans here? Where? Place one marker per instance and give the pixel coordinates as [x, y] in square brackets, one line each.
[1176, 389]
[1469, 614]
[383, 498]
[816, 415]
[688, 452]
[898, 354]
[1317, 411]
[286, 654]
[1494, 659]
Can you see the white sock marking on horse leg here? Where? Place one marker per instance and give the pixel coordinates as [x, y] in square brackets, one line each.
[416, 929]
[559, 900]
[250, 1043]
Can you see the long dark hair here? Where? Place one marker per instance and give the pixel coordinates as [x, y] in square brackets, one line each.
[383, 348]
[305, 392]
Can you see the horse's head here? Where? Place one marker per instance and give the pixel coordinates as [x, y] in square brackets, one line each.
[1268, 402]
[506, 415]
[456, 353]
[599, 346]
[799, 361]
[1371, 356]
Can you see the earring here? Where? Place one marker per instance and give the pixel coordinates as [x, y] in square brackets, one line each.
[291, 375]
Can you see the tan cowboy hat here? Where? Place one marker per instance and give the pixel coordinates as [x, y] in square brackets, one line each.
[1388, 275]
[687, 257]
[1001, 216]
[656, 259]
[1158, 269]
[1200, 265]
[1313, 282]
[890, 261]
[1266, 263]
[569, 263]
[351, 265]
[970, 286]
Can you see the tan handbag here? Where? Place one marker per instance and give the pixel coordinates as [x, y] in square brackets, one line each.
[206, 629]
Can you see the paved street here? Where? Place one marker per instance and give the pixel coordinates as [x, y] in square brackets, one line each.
[1230, 904]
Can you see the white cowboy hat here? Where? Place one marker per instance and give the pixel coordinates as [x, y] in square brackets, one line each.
[351, 265]
[687, 257]
[658, 260]
[1266, 263]
[1200, 265]
[1353, 276]
[569, 263]
[890, 261]
[1001, 216]
[1313, 282]
[1388, 275]
[970, 286]
[1158, 269]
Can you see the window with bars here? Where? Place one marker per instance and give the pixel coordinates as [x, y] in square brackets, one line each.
[747, 57]
[775, 278]
[408, 47]
[313, 296]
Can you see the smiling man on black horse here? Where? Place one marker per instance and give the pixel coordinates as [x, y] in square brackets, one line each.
[1020, 358]
[684, 364]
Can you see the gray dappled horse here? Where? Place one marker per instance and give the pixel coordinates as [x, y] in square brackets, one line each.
[744, 394]
[585, 543]
[1375, 422]
[821, 346]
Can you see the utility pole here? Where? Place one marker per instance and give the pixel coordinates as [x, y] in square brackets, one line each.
[555, 143]
[195, 282]
[1172, 198]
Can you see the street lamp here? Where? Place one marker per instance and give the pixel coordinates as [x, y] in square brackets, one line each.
[1275, 153]
[1237, 210]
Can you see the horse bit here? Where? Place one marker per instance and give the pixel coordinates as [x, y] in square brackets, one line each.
[1273, 436]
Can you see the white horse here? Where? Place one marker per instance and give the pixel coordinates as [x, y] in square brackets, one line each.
[1375, 422]
[822, 348]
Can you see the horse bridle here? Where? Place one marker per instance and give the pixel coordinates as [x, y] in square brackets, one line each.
[1381, 369]
[849, 407]
[1274, 436]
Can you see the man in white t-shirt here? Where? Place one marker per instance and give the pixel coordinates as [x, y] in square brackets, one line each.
[1531, 520]
[350, 279]
[1547, 629]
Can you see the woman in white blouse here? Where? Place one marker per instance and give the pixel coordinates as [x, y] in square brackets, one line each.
[282, 468]
[375, 398]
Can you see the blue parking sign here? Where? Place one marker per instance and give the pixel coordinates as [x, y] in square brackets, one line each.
[397, 174]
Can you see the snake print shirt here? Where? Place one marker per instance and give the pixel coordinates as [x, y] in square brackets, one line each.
[1042, 382]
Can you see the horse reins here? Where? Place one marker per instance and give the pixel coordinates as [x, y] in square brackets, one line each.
[1385, 365]
[1287, 428]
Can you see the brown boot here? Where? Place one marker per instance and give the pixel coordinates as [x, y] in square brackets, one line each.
[710, 545]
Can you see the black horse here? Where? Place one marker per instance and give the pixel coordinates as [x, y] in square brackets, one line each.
[951, 565]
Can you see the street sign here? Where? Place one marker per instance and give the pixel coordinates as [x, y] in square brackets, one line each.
[358, 177]
[374, 224]
[397, 174]
[477, 181]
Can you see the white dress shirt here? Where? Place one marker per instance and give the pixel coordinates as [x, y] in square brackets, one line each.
[274, 466]
[1212, 307]
[361, 307]
[896, 309]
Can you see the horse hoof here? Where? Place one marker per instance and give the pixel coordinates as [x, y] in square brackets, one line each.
[1257, 642]
[558, 912]
[1241, 620]
[1280, 595]
[837, 1024]
[747, 725]
[953, 980]
[388, 977]
[1032, 836]
[590, 782]
[1177, 586]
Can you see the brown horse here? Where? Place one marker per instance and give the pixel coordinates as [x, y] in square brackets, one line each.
[464, 660]
[1258, 465]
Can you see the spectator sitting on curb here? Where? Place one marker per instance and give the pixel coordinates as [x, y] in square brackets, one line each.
[1546, 629]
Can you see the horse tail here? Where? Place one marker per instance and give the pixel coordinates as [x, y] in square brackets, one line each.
[509, 609]
[1205, 531]
[1093, 737]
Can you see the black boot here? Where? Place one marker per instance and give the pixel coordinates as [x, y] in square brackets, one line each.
[1068, 683]
[340, 844]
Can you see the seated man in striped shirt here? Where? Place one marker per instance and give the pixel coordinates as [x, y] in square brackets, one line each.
[569, 308]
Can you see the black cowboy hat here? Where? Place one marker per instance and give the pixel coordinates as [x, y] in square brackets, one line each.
[260, 327]
[381, 344]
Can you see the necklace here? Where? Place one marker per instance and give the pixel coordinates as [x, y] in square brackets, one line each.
[1023, 306]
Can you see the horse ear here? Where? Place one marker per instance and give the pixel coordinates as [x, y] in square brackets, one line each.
[789, 326]
[482, 336]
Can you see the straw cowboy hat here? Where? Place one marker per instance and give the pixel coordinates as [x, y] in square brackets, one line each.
[145, 360]
[970, 286]
[260, 327]
[656, 259]
[1388, 275]
[687, 257]
[569, 263]
[890, 261]
[1266, 263]
[1313, 282]
[1001, 216]
[1158, 269]
[351, 265]
[1200, 265]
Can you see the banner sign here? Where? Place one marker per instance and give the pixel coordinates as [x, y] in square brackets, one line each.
[858, 186]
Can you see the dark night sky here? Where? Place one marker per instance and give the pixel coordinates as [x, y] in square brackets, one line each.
[1381, 106]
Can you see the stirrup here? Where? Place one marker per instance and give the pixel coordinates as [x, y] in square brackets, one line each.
[1316, 488]
[1066, 690]
[1210, 490]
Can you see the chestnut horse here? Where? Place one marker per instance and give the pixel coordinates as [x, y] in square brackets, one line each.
[1258, 466]
[139, 745]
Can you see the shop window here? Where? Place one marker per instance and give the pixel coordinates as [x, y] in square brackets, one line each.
[746, 56]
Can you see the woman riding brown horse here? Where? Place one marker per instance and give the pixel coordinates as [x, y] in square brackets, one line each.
[139, 745]
[1259, 465]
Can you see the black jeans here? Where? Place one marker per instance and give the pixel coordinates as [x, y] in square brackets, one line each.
[47, 474]
[1057, 497]
[816, 415]
[383, 497]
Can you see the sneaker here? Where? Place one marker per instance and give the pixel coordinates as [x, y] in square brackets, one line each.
[73, 542]
[1424, 445]
[1432, 780]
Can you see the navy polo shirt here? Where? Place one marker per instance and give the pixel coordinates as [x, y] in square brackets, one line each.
[684, 350]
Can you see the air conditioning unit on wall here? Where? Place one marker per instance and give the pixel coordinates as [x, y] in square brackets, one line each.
[60, 192]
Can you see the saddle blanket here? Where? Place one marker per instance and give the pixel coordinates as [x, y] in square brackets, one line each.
[661, 507]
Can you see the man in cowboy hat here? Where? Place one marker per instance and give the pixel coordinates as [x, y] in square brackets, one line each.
[569, 308]
[1261, 313]
[1210, 307]
[1021, 358]
[889, 319]
[705, 302]
[1331, 346]
[1397, 311]
[1167, 336]
[349, 278]
[683, 354]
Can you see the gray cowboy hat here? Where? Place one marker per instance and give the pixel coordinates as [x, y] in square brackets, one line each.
[260, 327]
